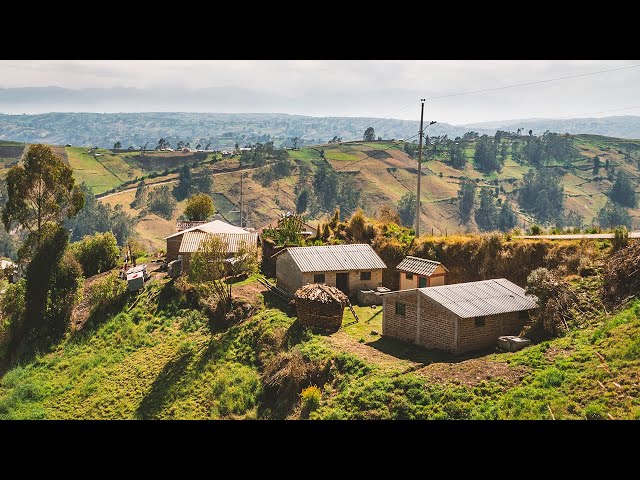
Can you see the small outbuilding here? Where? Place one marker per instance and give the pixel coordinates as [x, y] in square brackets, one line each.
[418, 272]
[320, 306]
[457, 318]
[349, 267]
[191, 243]
[216, 227]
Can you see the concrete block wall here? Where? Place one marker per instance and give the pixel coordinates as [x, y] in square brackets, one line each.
[471, 337]
[398, 326]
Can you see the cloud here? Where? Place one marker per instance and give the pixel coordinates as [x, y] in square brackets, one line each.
[345, 87]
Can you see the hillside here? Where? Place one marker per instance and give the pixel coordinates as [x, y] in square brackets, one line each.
[161, 359]
[223, 130]
[383, 170]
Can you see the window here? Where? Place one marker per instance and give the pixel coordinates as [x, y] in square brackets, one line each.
[400, 308]
[422, 282]
[365, 275]
[479, 321]
[409, 276]
[318, 278]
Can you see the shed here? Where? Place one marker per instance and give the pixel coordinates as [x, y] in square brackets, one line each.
[418, 272]
[217, 226]
[191, 243]
[457, 318]
[348, 267]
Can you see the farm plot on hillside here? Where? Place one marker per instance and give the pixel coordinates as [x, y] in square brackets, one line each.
[89, 170]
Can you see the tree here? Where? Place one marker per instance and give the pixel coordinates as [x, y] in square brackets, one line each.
[246, 260]
[542, 194]
[97, 253]
[99, 217]
[294, 142]
[198, 147]
[202, 183]
[183, 189]
[486, 214]
[199, 207]
[140, 199]
[457, 157]
[117, 146]
[207, 268]
[506, 218]
[180, 144]
[160, 144]
[613, 215]
[622, 191]
[161, 202]
[596, 165]
[369, 134]
[407, 209]
[207, 147]
[302, 200]
[485, 155]
[41, 193]
[386, 215]
[466, 199]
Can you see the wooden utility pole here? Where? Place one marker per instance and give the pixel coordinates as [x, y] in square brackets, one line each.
[241, 199]
[419, 171]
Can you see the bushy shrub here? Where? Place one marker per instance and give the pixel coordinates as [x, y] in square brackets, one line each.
[97, 253]
[107, 294]
[310, 398]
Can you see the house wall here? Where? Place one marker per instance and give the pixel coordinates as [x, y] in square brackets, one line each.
[287, 273]
[355, 283]
[173, 245]
[437, 327]
[398, 326]
[471, 337]
[438, 277]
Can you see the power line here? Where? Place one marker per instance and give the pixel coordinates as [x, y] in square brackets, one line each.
[601, 111]
[532, 83]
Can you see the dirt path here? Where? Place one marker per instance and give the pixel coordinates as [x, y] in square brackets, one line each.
[346, 343]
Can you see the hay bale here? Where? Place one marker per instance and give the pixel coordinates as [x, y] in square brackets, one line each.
[320, 306]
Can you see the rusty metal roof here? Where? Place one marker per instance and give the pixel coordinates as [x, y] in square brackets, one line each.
[419, 266]
[335, 258]
[217, 226]
[487, 297]
[191, 240]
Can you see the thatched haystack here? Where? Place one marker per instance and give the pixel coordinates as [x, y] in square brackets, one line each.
[320, 306]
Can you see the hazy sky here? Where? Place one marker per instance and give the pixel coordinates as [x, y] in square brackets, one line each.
[339, 87]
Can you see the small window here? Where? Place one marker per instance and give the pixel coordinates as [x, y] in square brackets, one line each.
[479, 321]
[318, 278]
[422, 282]
[409, 276]
[365, 275]
[400, 308]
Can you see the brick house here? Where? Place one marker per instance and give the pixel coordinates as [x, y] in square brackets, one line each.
[457, 318]
[418, 272]
[348, 267]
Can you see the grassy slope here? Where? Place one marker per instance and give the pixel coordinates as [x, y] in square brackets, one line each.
[168, 364]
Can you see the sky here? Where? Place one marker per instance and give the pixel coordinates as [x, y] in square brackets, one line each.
[367, 88]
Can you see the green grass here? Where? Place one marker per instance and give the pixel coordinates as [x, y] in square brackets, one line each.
[88, 169]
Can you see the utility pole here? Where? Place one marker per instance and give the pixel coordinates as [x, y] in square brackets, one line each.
[419, 171]
[241, 198]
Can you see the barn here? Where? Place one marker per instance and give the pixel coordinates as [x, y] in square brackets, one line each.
[216, 227]
[418, 272]
[458, 318]
[348, 267]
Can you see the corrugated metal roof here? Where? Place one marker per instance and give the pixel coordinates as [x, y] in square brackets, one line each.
[217, 226]
[487, 297]
[419, 266]
[191, 240]
[331, 258]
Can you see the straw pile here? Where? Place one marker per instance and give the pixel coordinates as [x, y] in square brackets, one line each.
[622, 275]
[320, 306]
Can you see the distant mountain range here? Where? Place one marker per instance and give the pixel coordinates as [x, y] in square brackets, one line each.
[223, 130]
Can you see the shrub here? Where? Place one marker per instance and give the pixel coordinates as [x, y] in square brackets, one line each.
[107, 294]
[310, 397]
[595, 411]
[536, 230]
[620, 238]
[199, 207]
[97, 253]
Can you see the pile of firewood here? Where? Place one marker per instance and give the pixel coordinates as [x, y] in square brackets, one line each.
[622, 275]
[320, 306]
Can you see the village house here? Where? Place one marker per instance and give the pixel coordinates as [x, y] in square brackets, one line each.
[348, 267]
[457, 318]
[191, 243]
[419, 272]
[232, 234]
